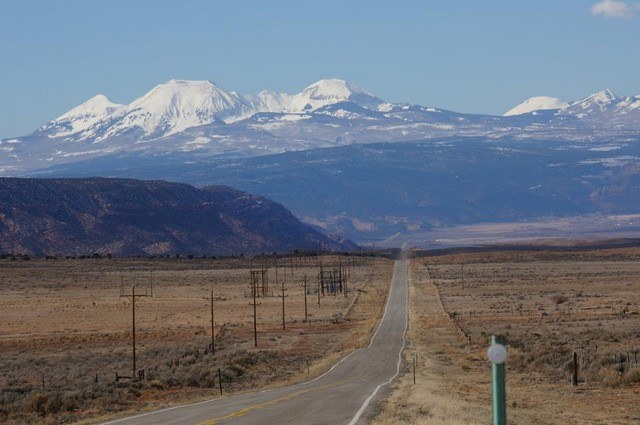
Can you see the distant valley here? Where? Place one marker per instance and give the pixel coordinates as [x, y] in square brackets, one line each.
[373, 192]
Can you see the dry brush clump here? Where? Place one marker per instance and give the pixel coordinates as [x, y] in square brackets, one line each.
[552, 355]
[62, 399]
[559, 299]
[30, 404]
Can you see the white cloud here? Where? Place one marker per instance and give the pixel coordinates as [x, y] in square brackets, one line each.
[615, 9]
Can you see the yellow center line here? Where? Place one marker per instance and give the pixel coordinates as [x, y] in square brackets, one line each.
[244, 411]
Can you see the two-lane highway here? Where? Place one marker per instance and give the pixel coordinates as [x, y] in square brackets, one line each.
[343, 395]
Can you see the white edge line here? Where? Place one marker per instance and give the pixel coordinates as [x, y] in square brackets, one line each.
[168, 409]
[375, 391]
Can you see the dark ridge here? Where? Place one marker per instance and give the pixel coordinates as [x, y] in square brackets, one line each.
[125, 217]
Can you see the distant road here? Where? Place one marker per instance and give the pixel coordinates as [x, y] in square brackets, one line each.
[343, 395]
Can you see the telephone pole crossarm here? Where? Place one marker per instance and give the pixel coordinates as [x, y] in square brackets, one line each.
[134, 297]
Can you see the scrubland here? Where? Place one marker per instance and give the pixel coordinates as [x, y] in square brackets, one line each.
[548, 305]
[66, 330]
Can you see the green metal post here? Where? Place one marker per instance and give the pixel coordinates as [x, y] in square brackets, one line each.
[498, 387]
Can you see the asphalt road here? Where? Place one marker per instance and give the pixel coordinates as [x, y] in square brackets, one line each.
[343, 395]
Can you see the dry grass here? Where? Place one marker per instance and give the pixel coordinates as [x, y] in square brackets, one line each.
[66, 332]
[549, 307]
[505, 293]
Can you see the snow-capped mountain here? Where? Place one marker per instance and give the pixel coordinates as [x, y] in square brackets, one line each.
[82, 117]
[597, 103]
[537, 103]
[604, 110]
[602, 101]
[601, 111]
[173, 107]
[200, 119]
[328, 92]
[318, 95]
[543, 158]
[176, 105]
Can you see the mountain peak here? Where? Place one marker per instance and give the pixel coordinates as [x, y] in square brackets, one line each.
[182, 84]
[606, 95]
[332, 90]
[181, 89]
[176, 105]
[602, 98]
[536, 103]
[82, 117]
[97, 105]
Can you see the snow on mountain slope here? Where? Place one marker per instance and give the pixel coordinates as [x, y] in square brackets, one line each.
[330, 91]
[176, 105]
[318, 95]
[267, 101]
[350, 111]
[601, 101]
[628, 105]
[198, 118]
[82, 117]
[602, 110]
[537, 103]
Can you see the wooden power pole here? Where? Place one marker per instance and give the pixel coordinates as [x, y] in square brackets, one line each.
[305, 298]
[284, 327]
[254, 292]
[213, 332]
[134, 297]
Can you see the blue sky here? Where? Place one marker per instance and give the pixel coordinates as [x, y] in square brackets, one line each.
[468, 56]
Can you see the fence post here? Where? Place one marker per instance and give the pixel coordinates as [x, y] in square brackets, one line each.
[574, 375]
[414, 369]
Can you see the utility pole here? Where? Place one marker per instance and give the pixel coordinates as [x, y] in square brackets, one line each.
[213, 329]
[305, 298]
[342, 288]
[134, 298]
[321, 282]
[283, 317]
[133, 327]
[318, 292]
[254, 292]
[343, 277]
